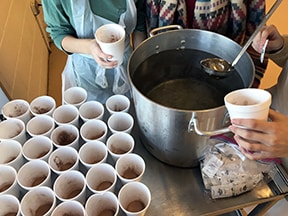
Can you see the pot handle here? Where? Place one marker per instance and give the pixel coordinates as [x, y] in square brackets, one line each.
[193, 126]
[155, 31]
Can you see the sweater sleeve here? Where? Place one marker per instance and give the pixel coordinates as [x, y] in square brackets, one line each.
[57, 15]
[281, 56]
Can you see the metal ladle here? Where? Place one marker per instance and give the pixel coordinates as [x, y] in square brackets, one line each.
[220, 67]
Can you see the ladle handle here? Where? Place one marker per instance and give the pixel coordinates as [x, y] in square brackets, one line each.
[257, 30]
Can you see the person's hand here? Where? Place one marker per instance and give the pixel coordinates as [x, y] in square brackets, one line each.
[262, 139]
[271, 33]
[100, 57]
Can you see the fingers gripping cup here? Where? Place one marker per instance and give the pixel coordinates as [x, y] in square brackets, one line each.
[111, 39]
[249, 103]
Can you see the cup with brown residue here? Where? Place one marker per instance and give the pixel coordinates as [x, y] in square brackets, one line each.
[94, 129]
[42, 105]
[13, 129]
[65, 135]
[102, 204]
[11, 153]
[134, 198]
[63, 159]
[8, 181]
[39, 201]
[9, 205]
[40, 125]
[17, 108]
[69, 208]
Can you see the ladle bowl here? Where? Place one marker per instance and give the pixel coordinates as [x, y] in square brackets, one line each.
[220, 67]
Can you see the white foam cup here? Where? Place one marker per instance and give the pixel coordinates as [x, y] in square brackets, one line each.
[11, 153]
[8, 181]
[91, 110]
[40, 125]
[102, 204]
[134, 198]
[13, 129]
[9, 205]
[66, 114]
[248, 103]
[69, 207]
[94, 129]
[101, 177]
[120, 122]
[43, 105]
[38, 201]
[75, 96]
[111, 39]
[117, 103]
[17, 108]
[38, 147]
[65, 135]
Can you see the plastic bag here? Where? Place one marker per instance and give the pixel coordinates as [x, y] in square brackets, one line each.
[226, 172]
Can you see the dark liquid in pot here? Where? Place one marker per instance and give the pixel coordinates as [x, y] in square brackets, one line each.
[175, 79]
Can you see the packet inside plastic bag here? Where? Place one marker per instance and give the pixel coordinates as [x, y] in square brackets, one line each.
[226, 172]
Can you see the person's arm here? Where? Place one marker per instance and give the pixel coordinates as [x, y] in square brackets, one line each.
[262, 139]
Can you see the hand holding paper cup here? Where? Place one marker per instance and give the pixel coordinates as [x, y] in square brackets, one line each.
[248, 103]
[111, 39]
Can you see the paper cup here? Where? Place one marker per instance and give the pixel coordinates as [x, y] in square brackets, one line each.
[120, 122]
[111, 39]
[9, 205]
[134, 198]
[33, 174]
[8, 181]
[38, 147]
[75, 96]
[119, 144]
[91, 110]
[94, 130]
[40, 125]
[71, 208]
[11, 153]
[117, 103]
[13, 129]
[101, 178]
[38, 201]
[102, 204]
[70, 185]
[65, 135]
[249, 103]
[130, 167]
[43, 105]
[17, 108]
[63, 159]
[93, 152]
[66, 114]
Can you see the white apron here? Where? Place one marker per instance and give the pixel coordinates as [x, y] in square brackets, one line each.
[82, 70]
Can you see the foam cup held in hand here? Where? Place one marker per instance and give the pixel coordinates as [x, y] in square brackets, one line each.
[248, 103]
[111, 39]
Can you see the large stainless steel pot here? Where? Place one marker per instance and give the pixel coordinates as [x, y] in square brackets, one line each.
[164, 128]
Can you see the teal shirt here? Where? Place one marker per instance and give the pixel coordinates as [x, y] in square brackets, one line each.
[58, 16]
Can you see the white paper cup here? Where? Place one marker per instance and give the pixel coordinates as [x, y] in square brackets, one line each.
[249, 103]
[75, 96]
[38, 201]
[70, 185]
[91, 110]
[70, 207]
[94, 129]
[17, 108]
[130, 167]
[13, 129]
[65, 135]
[43, 105]
[134, 198]
[93, 152]
[101, 178]
[8, 181]
[33, 174]
[63, 159]
[38, 147]
[120, 122]
[11, 153]
[40, 125]
[119, 144]
[102, 204]
[117, 103]
[66, 114]
[111, 39]
[9, 205]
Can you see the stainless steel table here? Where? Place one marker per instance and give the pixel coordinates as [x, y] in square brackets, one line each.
[180, 191]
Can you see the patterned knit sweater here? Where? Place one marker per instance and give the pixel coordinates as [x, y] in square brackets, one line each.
[236, 19]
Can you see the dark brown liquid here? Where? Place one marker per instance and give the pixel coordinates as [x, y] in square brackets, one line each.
[135, 206]
[107, 212]
[61, 165]
[38, 180]
[65, 138]
[130, 173]
[119, 150]
[42, 209]
[96, 135]
[180, 82]
[71, 214]
[40, 110]
[5, 186]
[103, 185]
[73, 193]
